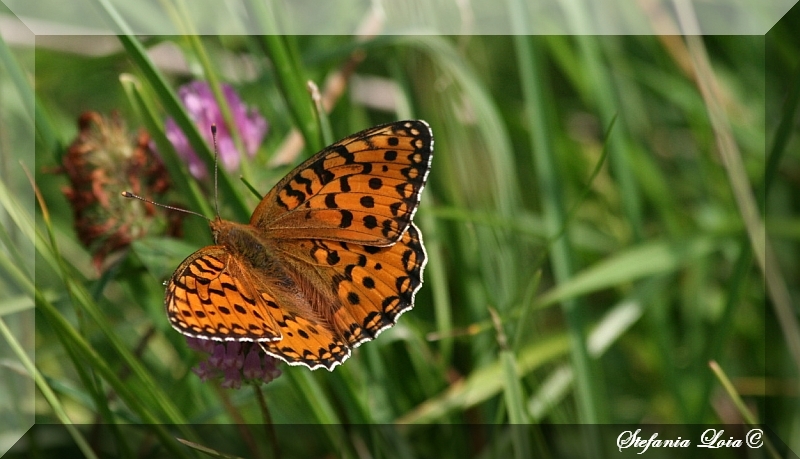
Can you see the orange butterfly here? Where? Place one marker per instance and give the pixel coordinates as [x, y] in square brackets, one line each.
[329, 259]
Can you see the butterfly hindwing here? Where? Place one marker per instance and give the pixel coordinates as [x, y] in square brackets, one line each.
[363, 189]
[211, 296]
[376, 285]
[371, 286]
[307, 341]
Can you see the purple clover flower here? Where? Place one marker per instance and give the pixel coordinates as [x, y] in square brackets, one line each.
[234, 362]
[202, 107]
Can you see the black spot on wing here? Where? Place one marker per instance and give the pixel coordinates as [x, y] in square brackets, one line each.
[347, 219]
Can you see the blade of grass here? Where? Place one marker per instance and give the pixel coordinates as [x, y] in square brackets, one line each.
[487, 183]
[288, 71]
[15, 304]
[646, 260]
[206, 450]
[737, 282]
[740, 405]
[608, 330]
[739, 183]
[46, 391]
[603, 91]
[19, 81]
[552, 390]
[90, 358]
[526, 311]
[635, 263]
[89, 379]
[514, 401]
[21, 218]
[484, 382]
[512, 387]
[512, 392]
[491, 131]
[85, 372]
[149, 394]
[305, 383]
[783, 133]
[434, 269]
[436, 272]
[536, 99]
[13, 263]
[322, 115]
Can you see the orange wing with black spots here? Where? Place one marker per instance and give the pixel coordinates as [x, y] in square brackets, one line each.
[211, 296]
[371, 286]
[330, 258]
[363, 189]
[375, 285]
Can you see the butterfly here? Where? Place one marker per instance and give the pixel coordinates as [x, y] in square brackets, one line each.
[329, 259]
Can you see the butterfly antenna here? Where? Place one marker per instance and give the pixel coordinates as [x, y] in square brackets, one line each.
[216, 168]
[128, 194]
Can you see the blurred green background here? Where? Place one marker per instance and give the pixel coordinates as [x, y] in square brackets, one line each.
[594, 221]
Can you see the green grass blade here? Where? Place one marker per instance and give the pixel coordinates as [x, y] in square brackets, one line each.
[46, 391]
[289, 73]
[645, 260]
[556, 215]
[484, 383]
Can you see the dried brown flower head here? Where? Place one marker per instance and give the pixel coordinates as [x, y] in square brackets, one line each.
[104, 160]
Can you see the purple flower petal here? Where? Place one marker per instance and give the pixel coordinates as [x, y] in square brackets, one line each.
[202, 108]
[232, 379]
[227, 153]
[178, 140]
[234, 362]
[233, 355]
[218, 356]
[271, 370]
[205, 371]
[252, 365]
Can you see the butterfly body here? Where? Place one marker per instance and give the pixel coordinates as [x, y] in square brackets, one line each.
[248, 244]
[329, 259]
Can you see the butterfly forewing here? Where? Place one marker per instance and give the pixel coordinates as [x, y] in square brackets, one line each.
[363, 189]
